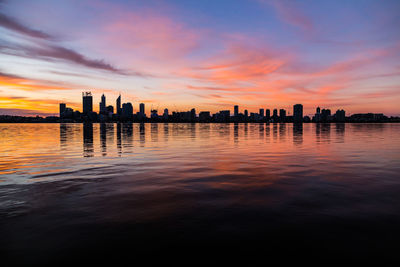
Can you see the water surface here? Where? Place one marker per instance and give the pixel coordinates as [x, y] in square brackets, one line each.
[332, 188]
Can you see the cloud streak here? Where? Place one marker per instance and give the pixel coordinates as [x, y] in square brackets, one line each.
[46, 50]
[14, 25]
[26, 84]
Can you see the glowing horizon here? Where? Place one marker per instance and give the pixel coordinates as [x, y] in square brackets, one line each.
[208, 55]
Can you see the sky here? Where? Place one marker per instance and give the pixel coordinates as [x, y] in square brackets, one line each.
[209, 54]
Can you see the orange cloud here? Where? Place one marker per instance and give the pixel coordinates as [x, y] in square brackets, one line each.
[21, 83]
[49, 106]
[237, 63]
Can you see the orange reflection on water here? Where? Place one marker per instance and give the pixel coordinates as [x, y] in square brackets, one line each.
[260, 153]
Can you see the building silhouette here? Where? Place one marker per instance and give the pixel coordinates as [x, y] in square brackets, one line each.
[127, 111]
[63, 106]
[102, 105]
[118, 104]
[267, 114]
[154, 114]
[340, 115]
[282, 115]
[204, 116]
[275, 115]
[165, 115]
[261, 113]
[298, 113]
[193, 114]
[87, 103]
[110, 110]
[141, 109]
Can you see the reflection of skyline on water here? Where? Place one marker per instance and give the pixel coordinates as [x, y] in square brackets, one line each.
[88, 148]
[121, 137]
[298, 133]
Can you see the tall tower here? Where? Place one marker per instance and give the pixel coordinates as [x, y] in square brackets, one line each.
[261, 112]
[282, 114]
[87, 102]
[298, 113]
[63, 106]
[141, 109]
[236, 110]
[275, 113]
[119, 105]
[267, 114]
[102, 105]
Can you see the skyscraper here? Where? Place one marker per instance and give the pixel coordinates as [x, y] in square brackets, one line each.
[87, 102]
[275, 114]
[193, 114]
[127, 110]
[102, 105]
[267, 114]
[282, 115]
[340, 115]
[119, 105]
[236, 110]
[298, 113]
[141, 109]
[63, 106]
[261, 112]
[165, 113]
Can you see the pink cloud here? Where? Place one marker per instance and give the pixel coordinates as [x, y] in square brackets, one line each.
[290, 13]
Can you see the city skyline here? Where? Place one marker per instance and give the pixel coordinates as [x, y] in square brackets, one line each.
[125, 113]
[209, 55]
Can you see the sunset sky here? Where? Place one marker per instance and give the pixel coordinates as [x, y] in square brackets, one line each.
[208, 54]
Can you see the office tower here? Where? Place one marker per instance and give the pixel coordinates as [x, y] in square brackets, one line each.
[110, 109]
[63, 106]
[87, 102]
[282, 114]
[223, 116]
[325, 115]
[267, 114]
[326, 112]
[102, 105]
[193, 114]
[119, 105]
[298, 113]
[154, 114]
[236, 111]
[204, 116]
[261, 112]
[141, 109]
[246, 113]
[317, 116]
[165, 115]
[340, 115]
[127, 110]
[275, 113]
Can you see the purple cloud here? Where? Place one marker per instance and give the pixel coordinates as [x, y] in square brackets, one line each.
[14, 25]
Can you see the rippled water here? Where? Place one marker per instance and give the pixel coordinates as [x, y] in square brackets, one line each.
[66, 187]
